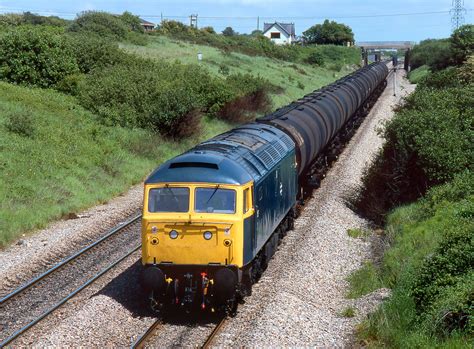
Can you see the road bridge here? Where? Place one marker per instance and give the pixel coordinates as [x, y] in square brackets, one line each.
[386, 45]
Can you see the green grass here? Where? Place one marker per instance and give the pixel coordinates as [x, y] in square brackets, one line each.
[358, 233]
[416, 231]
[296, 79]
[348, 312]
[363, 281]
[56, 158]
[417, 74]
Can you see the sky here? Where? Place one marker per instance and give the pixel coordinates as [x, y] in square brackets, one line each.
[370, 20]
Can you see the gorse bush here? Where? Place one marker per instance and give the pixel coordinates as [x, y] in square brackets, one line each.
[35, 55]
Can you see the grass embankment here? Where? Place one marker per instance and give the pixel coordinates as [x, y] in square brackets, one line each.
[417, 74]
[426, 165]
[429, 267]
[57, 158]
[294, 79]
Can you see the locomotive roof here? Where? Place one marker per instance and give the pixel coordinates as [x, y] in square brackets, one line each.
[236, 157]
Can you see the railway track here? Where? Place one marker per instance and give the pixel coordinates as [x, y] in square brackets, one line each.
[47, 292]
[140, 342]
[207, 344]
[151, 331]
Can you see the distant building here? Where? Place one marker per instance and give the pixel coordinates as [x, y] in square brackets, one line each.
[280, 33]
[148, 26]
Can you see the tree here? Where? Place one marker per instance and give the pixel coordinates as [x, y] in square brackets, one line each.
[329, 32]
[229, 32]
[462, 43]
[134, 23]
[257, 32]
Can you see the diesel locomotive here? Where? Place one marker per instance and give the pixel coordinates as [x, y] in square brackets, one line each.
[214, 216]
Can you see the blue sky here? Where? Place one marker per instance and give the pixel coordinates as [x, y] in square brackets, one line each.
[371, 20]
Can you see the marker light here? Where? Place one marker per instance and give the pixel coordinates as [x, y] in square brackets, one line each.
[207, 235]
[173, 234]
[154, 229]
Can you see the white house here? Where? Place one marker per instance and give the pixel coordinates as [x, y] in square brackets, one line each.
[279, 33]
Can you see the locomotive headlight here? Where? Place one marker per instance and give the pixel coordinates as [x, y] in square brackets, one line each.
[154, 229]
[207, 235]
[173, 234]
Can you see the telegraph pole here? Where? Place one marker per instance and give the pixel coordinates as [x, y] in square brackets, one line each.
[457, 14]
[193, 21]
[258, 23]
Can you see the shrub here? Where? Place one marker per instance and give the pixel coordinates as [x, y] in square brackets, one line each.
[316, 57]
[93, 52]
[143, 94]
[451, 260]
[437, 54]
[429, 141]
[224, 69]
[462, 41]
[13, 19]
[20, 123]
[35, 56]
[101, 23]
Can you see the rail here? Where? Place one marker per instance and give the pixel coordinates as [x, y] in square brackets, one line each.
[66, 261]
[68, 297]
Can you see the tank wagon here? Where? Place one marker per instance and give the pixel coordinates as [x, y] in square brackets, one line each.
[213, 216]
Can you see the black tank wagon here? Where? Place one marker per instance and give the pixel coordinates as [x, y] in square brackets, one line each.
[213, 217]
[314, 121]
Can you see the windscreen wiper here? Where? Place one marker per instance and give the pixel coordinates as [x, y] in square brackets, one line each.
[215, 191]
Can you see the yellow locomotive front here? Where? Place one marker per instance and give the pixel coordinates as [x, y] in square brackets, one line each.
[193, 238]
[194, 223]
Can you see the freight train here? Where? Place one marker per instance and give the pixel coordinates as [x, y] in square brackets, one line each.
[214, 216]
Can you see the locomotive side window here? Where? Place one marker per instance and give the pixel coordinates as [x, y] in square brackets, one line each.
[168, 199]
[247, 200]
[214, 200]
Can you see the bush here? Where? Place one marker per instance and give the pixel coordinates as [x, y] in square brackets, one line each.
[462, 41]
[437, 54]
[316, 57]
[429, 141]
[13, 19]
[101, 23]
[93, 52]
[447, 266]
[35, 56]
[162, 97]
[20, 123]
[429, 266]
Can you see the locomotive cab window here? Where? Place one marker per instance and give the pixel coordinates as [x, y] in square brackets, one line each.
[168, 199]
[214, 200]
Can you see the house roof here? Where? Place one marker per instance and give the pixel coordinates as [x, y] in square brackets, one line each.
[143, 22]
[288, 28]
